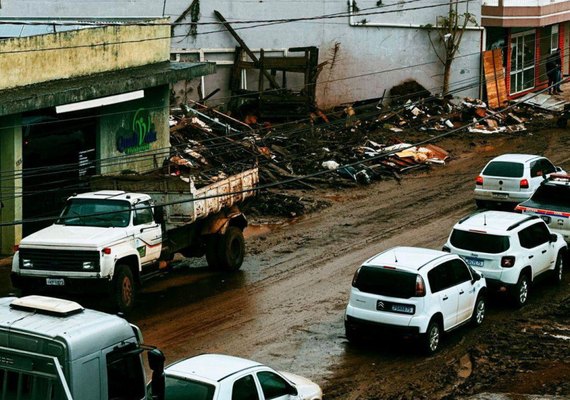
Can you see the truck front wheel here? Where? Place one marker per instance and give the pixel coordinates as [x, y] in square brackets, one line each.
[231, 249]
[124, 290]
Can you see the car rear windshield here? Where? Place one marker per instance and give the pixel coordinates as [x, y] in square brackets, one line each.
[386, 282]
[479, 242]
[558, 196]
[504, 168]
[183, 389]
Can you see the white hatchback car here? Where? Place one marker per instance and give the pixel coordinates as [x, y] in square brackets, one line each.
[414, 291]
[511, 179]
[223, 377]
[509, 249]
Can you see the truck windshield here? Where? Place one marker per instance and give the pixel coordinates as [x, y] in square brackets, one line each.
[182, 389]
[95, 212]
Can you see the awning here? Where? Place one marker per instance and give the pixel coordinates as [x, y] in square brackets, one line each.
[65, 91]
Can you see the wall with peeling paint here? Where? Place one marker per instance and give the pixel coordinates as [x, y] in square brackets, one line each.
[362, 58]
[80, 52]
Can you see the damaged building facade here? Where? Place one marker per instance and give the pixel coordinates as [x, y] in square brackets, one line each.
[365, 47]
[78, 102]
[527, 31]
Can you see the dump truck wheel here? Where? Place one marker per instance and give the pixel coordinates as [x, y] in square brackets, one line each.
[231, 249]
[124, 289]
[212, 249]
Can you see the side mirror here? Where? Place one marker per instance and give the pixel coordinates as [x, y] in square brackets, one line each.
[293, 391]
[558, 169]
[553, 237]
[156, 363]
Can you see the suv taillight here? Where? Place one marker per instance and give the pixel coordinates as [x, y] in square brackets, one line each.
[524, 184]
[420, 286]
[355, 277]
[479, 180]
[519, 209]
[507, 261]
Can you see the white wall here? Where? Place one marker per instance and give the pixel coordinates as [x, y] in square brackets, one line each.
[370, 56]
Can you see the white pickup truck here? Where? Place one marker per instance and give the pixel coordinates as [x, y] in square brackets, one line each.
[110, 241]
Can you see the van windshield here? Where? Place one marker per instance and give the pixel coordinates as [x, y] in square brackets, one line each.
[183, 389]
[386, 282]
[95, 212]
[479, 242]
[507, 169]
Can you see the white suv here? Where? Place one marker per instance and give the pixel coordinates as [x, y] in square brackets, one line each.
[511, 178]
[414, 291]
[509, 249]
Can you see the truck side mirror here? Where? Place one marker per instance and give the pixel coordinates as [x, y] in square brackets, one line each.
[156, 364]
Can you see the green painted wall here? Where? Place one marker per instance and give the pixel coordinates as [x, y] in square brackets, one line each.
[10, 181]
[125, 137]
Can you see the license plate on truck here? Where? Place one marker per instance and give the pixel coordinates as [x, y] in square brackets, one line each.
[55, 282]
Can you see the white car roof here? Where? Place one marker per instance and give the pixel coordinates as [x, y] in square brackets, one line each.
[411, 258]
[112, 195]
[516, 157]
[493, 222]
[213, 367]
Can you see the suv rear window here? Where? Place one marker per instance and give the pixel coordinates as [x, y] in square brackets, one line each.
[386, 282]
[558, 196]
[504, 168]
[479, 242]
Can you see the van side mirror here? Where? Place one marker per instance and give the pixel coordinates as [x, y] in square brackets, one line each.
[156, 363]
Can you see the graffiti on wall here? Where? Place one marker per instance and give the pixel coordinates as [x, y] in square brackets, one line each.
[140, 135]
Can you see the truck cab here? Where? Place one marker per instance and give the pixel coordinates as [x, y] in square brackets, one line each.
[101, 243]
[55, 349]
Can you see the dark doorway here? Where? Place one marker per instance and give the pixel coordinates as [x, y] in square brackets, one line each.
[58, 151]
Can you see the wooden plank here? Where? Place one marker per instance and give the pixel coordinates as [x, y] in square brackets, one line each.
[494, 78]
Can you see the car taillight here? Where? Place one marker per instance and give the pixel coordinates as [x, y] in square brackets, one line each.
[519, 209]
[479, 180]
[354, 279]
[420, 286]
[106, 250]
[16, 247]
[507, 261]
[524, 184]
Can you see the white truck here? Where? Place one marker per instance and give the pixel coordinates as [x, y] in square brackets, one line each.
[55, 349]
[110, 241]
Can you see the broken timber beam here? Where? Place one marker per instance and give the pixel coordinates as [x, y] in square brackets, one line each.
[247, 50]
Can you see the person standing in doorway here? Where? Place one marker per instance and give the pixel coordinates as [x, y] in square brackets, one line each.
[558, 77]
[552, 69]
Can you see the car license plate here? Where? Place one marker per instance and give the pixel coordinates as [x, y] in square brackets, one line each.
[55, 282]
[474, 262]
[500, 195]
[401, 308]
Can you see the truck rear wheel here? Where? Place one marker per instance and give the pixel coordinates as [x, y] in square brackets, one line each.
[124, 290]
[231, 249]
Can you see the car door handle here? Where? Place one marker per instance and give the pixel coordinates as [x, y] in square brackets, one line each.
[543, 251]
[530, 257]
[461, 291]
[445, 298]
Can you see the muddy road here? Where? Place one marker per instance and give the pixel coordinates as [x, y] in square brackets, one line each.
[285, 307]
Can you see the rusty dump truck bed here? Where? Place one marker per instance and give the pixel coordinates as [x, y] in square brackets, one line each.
[183, 203]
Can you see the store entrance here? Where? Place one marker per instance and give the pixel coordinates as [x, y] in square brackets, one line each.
[58, 152]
